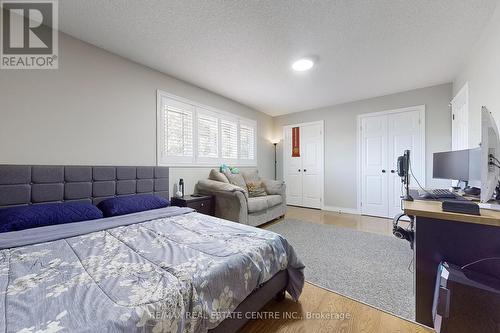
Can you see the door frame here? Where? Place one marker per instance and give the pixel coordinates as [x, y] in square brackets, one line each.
[322, 180]
[421, 109]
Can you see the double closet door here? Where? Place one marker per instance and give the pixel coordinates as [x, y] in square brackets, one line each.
[303, 173]
[384, 137]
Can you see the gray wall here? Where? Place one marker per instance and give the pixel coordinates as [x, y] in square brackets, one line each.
[99, 109]
[340, 136]
[482, 71]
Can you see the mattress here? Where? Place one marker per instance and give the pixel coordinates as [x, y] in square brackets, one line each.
[164, 270]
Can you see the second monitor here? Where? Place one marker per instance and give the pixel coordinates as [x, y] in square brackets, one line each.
[463, 165]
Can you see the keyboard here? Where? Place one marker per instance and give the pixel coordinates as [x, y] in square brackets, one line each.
[436, 194]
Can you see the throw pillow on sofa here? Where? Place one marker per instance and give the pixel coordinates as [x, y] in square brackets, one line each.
[256, 189]
[218, 176]
[236, 179]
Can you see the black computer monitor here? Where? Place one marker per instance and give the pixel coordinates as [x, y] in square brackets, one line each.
[451, 165]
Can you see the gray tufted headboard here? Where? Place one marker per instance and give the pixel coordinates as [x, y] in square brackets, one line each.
[32, 184]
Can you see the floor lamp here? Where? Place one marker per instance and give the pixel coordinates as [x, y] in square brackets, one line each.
[275, 143]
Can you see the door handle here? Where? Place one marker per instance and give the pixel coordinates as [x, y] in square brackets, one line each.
[305, 170]
[299, 170]
[392, 171]
[383, 171]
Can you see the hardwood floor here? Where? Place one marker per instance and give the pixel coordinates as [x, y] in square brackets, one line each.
[315, 301]
[316, 305]
[358, 222]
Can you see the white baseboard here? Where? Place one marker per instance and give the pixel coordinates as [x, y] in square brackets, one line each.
[342, 210]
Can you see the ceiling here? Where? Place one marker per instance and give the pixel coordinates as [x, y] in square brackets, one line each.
[243, 49]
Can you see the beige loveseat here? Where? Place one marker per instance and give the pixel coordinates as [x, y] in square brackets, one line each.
[235, 203]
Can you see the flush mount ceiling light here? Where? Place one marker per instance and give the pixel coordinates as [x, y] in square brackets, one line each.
[303, 64]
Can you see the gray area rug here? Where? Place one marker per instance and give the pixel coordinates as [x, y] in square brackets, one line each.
[368, 267]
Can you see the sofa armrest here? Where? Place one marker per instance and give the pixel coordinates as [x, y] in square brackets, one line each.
[274, 186]
[230, 200]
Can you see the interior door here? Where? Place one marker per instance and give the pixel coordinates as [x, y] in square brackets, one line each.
[312, 164]
[403, 130]
[374, 165]
[460, 120]
[304, 174]
[292, 171]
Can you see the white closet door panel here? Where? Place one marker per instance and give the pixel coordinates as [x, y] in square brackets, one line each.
[373, 162]
[294, 190]
[312, 165]
[403, 133]
[293, 172]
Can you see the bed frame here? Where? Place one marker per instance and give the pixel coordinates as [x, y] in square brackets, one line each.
[36, 184]
[33, 184]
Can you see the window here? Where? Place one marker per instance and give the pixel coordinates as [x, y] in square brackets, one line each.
[176, 131]
[193, 134]
[229, 139]
[247, 142]
[179, 128]
[208, 136]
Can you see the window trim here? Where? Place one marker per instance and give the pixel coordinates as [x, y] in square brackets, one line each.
[164, 160]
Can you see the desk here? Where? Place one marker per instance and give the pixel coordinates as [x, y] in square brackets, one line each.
[456, 238]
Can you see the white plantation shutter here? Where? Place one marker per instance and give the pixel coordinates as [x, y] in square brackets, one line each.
[177, 120]
[247, 142]
[229, 139]
[179, 129]
[208, 135]
[189, 133]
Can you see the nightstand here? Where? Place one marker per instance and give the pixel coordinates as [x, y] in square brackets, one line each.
[203, 204]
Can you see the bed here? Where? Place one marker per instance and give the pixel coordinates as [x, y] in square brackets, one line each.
[163, 270]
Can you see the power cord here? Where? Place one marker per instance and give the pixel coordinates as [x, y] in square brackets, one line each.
[402, 194]
[493, 157]
[418, 183]
[491, 162]
[480, 260]
[494, 164]
[410, 266]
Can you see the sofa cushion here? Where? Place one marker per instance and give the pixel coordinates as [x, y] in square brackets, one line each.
[217, 176]
[250, 176]
[257, 204]
[274, 200]
[237, 179]
[273, 186]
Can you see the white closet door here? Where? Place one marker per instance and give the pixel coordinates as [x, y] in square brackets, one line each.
[374, 166]
[292, 172]
[312, 164]
[403, 130]
[304, 174]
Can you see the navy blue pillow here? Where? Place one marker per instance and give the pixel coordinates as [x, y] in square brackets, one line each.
[33, 216]
[131, 204]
